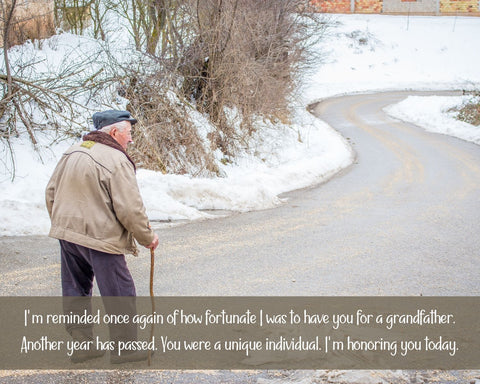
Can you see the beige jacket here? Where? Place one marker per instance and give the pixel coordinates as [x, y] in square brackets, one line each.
[93, 200]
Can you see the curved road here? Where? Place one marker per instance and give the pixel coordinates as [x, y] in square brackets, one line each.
[402, 220]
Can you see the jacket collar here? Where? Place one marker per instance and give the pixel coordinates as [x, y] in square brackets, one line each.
[106, 139]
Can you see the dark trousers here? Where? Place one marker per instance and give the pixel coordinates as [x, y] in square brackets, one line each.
[79, 266]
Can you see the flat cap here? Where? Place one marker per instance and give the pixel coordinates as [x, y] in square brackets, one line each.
[102, 119]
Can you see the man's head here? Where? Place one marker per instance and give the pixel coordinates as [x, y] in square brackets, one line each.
[117, 124]
[121, 132]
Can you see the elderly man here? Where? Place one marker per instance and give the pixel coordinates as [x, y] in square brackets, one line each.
[96, 212]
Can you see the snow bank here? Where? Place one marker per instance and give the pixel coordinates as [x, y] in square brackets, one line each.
[362, 53]
[434, 114]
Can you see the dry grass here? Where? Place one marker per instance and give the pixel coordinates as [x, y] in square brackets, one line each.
[165, 139]
[470, 113]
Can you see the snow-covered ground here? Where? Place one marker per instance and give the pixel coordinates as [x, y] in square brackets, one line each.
[436, 114]
[362, 53]
[380, 52]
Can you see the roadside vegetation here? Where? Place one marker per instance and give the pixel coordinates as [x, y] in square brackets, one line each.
[470, 111]
[233, 63]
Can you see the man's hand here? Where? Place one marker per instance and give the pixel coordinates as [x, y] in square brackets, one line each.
[154, 243]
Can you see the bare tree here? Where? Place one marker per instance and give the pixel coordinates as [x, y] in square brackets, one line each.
[152, 23]
[8, 11]
[7, 19]
[99, 10]
[235, 55]
[246, 55]
[30, 103]
[73, 15]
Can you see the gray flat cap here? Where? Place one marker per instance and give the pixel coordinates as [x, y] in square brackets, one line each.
[102, 119]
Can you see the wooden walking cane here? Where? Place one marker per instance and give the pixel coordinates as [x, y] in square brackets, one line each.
[152, 267]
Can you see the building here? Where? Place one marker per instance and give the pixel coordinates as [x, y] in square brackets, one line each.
[421, 7]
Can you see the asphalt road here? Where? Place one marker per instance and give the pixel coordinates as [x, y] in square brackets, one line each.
[402, 220]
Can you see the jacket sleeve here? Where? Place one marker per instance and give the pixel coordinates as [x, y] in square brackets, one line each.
[128, 204]
[50, 191]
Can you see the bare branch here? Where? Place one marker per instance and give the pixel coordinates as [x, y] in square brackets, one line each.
[7, 22]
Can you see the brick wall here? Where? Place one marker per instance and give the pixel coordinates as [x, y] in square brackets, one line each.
[368, 6]
[344, 6]
[461, 6]
[468, 7]
[332, 6]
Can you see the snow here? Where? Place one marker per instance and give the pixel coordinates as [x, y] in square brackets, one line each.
[362, 53]
[434, 113]
[380, 52]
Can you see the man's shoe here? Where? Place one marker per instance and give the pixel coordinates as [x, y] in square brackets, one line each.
[129, 357]
[82, 356]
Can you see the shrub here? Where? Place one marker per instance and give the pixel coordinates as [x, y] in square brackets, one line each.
[470, 112]
[246, 55]
[220, 56]
[165, 138]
